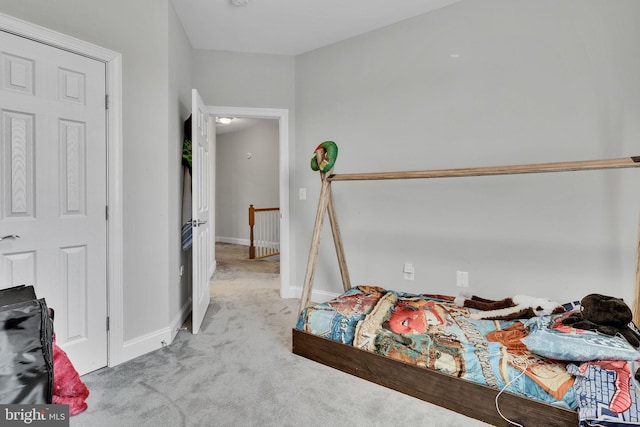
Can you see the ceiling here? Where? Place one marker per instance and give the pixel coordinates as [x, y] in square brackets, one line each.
[238, 123]
[290, 27]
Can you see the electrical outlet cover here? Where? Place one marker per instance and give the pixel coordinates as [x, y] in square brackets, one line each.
[462, 279]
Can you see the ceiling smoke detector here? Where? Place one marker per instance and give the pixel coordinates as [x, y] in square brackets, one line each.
[239, 3]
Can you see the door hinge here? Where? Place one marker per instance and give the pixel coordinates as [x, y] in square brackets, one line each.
[108, 326]
[106, 102]
[106, 213]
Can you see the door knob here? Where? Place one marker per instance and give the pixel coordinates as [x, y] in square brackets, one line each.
[9, 236]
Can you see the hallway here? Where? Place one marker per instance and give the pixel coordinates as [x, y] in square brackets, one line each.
[232, 257]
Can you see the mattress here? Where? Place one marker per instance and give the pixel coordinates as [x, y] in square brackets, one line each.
[432, 332]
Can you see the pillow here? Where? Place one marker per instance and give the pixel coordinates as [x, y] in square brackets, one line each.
[548, 337]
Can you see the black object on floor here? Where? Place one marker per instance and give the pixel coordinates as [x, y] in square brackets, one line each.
[26, 347]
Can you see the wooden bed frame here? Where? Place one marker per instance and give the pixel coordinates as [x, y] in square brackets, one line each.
[456, 394]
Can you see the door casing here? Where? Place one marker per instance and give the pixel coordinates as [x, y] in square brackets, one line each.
[286, 290]
[113, 63]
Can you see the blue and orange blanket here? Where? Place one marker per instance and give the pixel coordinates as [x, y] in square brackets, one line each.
[432, 332]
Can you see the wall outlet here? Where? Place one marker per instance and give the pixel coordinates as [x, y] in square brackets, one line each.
[408, 271]
[302, 194]
[462, 279]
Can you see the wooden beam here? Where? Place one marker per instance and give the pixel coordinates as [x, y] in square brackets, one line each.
[636, 301]
[315, 244]
[625, 162]
[337, 240]
[456, 394]
[324, 204]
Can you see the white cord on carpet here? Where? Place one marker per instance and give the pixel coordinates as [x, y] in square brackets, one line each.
[503, 389]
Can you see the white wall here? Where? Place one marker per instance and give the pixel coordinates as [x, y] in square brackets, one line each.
[244, 80]
[242, 181]
[479, 84]
[145, 33]
[534, 81]
[179, 64]
[250, 81]
[158, 70]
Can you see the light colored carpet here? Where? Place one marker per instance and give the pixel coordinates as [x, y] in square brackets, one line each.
[239, 371]
[229, 255]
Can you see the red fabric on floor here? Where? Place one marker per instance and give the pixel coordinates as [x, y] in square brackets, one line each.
[68, 388]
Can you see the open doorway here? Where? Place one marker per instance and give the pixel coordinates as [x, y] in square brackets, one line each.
[239, 149]
[246, 170]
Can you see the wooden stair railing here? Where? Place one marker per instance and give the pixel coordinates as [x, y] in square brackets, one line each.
[264, 239]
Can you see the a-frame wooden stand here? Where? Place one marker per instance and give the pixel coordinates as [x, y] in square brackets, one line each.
[325, 205]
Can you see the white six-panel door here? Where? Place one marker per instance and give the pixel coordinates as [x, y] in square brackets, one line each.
[53, 189]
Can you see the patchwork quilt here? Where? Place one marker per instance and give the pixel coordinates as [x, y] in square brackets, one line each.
[432, 332]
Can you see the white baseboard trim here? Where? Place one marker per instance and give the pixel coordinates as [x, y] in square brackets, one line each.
[316, 295]
[234, 240]
[165, 336]
[212, 269]
[180, 318]
[146, 343]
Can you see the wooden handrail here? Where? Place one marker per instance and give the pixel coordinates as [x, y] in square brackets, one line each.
[264, 209]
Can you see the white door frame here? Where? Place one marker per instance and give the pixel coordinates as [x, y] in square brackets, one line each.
[113, 62]
[284, 149]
